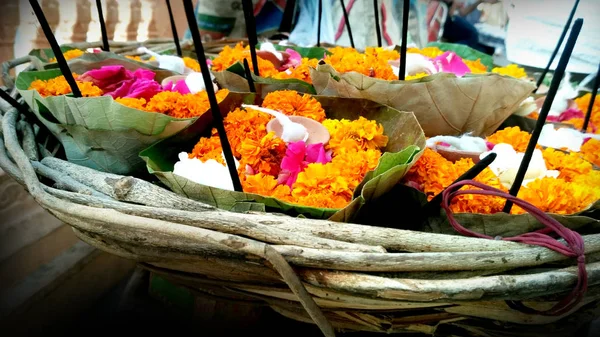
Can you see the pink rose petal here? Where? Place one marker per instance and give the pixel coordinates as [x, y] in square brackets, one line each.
[449, 62]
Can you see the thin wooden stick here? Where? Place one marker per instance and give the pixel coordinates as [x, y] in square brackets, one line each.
[251, 32]
[402, 71]
[535, 135]
[377, 28]
[60, 58]
[557, 48]
[249, 76]
[174, 30]
[347, 23]
[105, 45]
[319, 23]
[588, 114]
[212, 99]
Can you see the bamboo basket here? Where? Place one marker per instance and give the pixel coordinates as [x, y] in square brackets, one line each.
[340, 276]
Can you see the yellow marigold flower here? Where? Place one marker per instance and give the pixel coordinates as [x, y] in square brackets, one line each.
[59, 86]
[322, 186]
[191, 63]
[512, 70]
[243, 125]
[576, 122]
[208, 148]
[415, 76]
[345, 60]
[482, 204]
[265, 185]
[591, 151]
[431, 52]
[570, 165]
[583, 103]
[513, 136]
[136, 103]
[70, 54]
[291, 103]
[360, 134]
[476, 67]
[263, 156]
[383, 53]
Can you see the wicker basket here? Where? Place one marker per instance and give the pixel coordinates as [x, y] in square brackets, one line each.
[339, 276]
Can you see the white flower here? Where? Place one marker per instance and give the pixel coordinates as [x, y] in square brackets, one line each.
[268, 46]
[169, 62]
[507, 164]
[465, 142]
[210, 173]
[569, 138]
[561, 101]
[195, 82]
[527, 106]
[292, 132]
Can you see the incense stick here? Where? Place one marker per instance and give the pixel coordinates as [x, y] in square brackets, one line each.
[212, 99]
[535, 135]
[319, 23]
[347, 23]
[251, 32]
[557, 48]
[377, 28]
[588, 114]
[402, 71]
[249, 76]
[288, 17]
[105, 45]
[60, 58]
[174, 30]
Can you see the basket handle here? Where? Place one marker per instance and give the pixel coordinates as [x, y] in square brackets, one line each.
[573, 248]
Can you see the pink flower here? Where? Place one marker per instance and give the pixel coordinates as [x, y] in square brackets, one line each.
[566, 115]
[116, 81]
[449, 62]
[297, 157]
[180, 87]
[490, 146]
[294, 60]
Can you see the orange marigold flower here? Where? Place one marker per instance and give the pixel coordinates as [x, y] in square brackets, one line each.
[229, 56]
[322, 186]
[433, 172]
[263, 156]
[476, 67]
[300, 72]
[513, 136]
[59, 86]
[354, 165]
[70, 54]
[136, 103]
[208, 148]
[583, 103]
[470, 203]
[191, 63]
[591, 151]
[266, 185]
[243, 125]
[291, 103]
[555, 195]
[570, 165]
[349, 135]
[177, 105]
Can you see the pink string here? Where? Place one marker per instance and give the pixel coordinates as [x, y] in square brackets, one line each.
[575, 246]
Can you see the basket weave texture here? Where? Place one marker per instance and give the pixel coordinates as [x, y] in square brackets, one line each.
[340, 276]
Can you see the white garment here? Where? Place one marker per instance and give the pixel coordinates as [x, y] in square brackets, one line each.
[535, 26]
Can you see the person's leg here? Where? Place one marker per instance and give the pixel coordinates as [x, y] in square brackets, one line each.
[459, 30]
